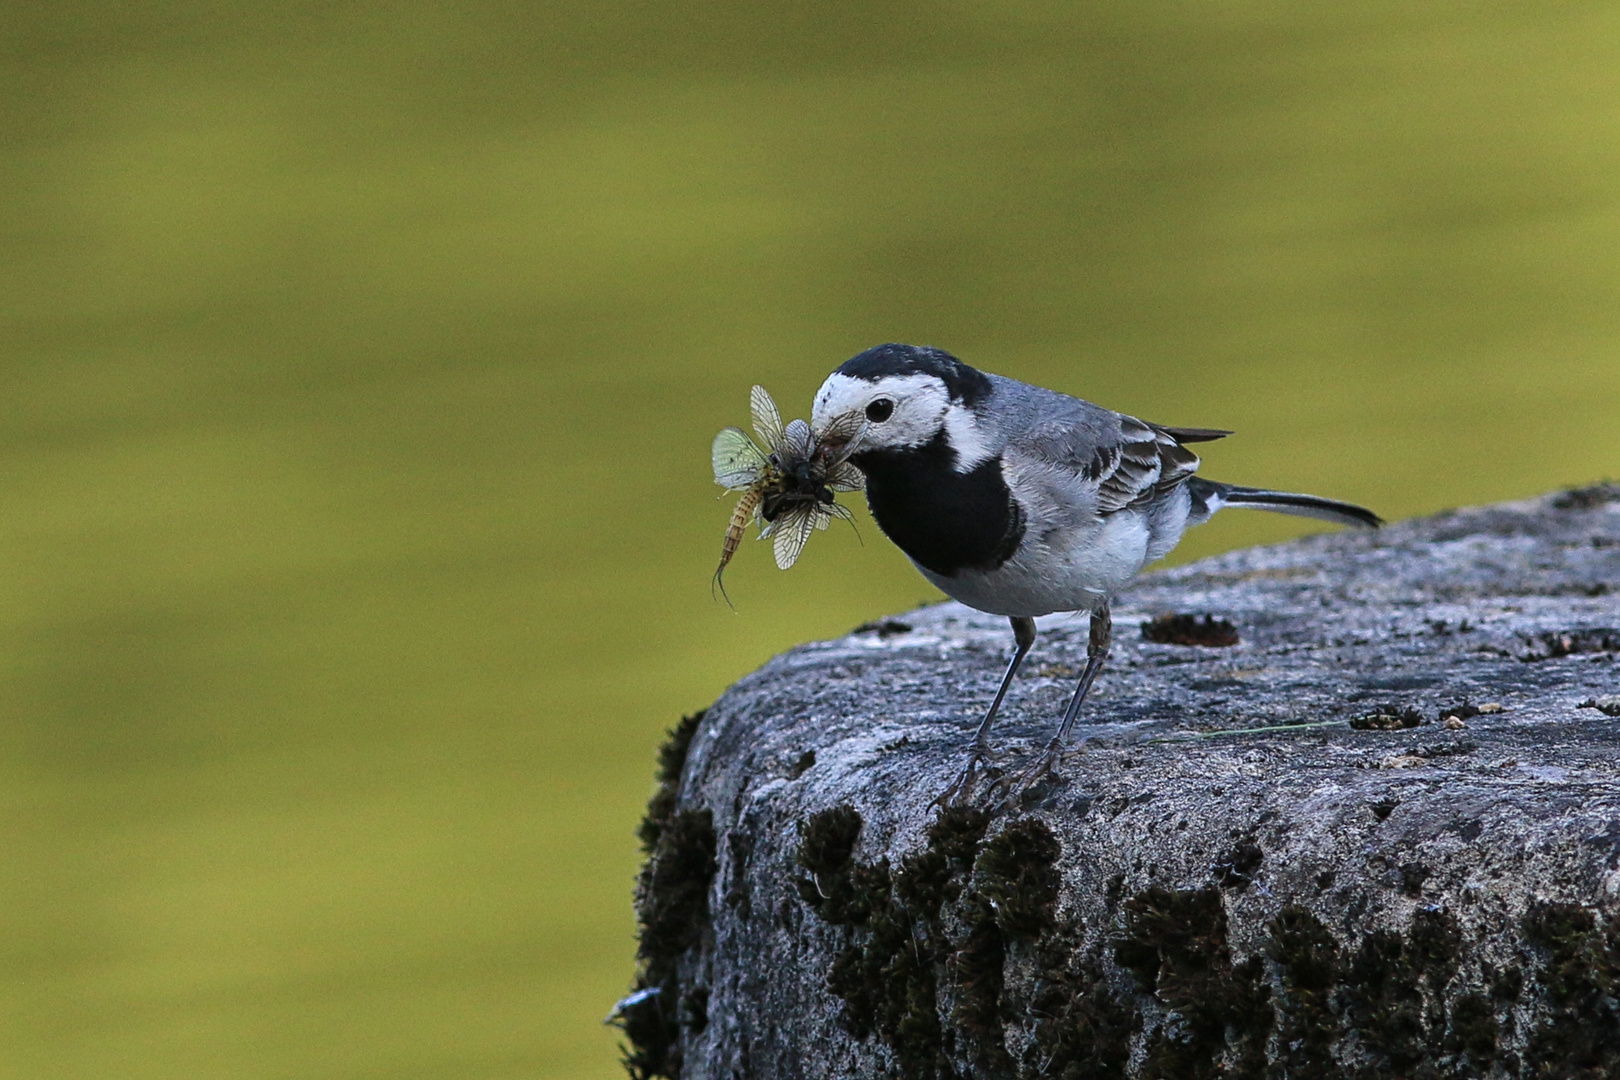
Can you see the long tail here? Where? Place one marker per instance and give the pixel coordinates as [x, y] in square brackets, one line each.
[1209, 496]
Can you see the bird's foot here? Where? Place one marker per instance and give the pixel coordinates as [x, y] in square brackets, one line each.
[1034, 781]
[960, 790]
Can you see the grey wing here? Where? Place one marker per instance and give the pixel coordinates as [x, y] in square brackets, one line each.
[1130, 462]
[1146, 463]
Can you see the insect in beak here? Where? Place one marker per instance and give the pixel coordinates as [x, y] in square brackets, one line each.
[831, 443]
[840, 437]
[788, 484]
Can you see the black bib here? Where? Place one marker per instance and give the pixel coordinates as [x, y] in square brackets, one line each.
[944, 520]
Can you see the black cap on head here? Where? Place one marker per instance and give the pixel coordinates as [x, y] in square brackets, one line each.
[966, 385]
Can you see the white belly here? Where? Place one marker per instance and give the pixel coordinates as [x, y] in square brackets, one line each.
[1070, 570]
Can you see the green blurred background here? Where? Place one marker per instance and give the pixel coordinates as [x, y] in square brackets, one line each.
[360, 361]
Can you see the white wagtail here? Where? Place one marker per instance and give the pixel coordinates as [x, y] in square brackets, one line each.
[1022, 501]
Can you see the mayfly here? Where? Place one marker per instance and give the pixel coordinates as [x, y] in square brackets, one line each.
[788, 486]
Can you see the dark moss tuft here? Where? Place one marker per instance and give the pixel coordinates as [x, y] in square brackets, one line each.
[1211, 633]
[1436, 940]
[1580, 1035]
[1387, 717]
[886, 973]
[674, 901]
[827, 840]
[1174, 942]
[1249, 1018]
[1160, 921]
[1083, 1030]
[883, 628]
[1011, 897]
[1586, 498]
[1236, 869]
[841, 892]
[1563, 930]
[659, 808]
[847, 979]
[1413, 875]
[695, 1009]
[900, 956]
[1382, 1001]
[1474, 1029]
[672, 908]
[1507, 984]
[653, 1029]
[1307, 959]
[671, 762]
[935, 875]
[1573, 642]
[1393, 1001]
[672, 755]
[1016, 875]
[956, 834]
[980, 983]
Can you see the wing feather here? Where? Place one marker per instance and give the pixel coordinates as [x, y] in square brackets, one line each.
[1192, 434]
[1137, 466]
[1130, 461]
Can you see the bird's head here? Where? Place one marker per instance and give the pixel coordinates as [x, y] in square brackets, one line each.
[906, 395]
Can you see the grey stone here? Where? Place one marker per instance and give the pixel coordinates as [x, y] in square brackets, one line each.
[1255, 865]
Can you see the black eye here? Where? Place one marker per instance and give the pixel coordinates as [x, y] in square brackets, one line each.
[880, 410]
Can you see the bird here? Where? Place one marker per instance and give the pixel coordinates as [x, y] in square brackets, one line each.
[1021, 501]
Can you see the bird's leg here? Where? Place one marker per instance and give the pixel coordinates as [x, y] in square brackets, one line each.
[1102, 636]
[962, 786]
[1102, 633]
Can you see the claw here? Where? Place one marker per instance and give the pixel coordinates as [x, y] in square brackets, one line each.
[1042, 772]
[960, 790]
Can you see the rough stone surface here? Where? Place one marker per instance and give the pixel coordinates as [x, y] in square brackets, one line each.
[1306, 854]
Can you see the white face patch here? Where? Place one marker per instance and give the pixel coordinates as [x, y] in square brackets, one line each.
[922, 406]
[966, 438]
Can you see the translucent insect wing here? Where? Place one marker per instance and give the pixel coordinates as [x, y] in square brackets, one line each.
[789, 533]
[767, 421]
[846, 430]
[836, 510]
[798, 443]
[845, 477]
[738, 463]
